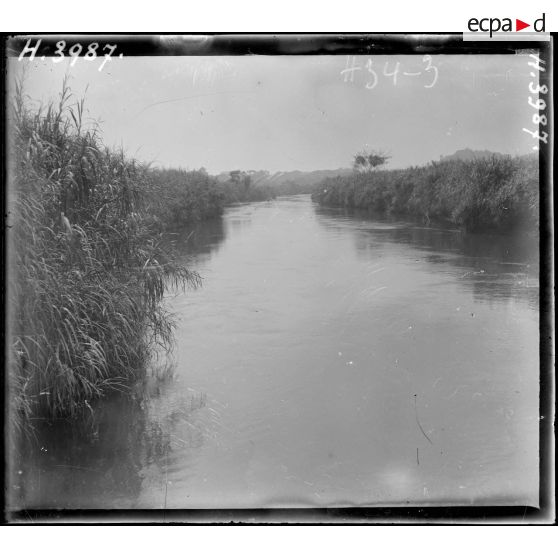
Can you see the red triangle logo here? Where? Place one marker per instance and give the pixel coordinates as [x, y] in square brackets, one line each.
[519, 25]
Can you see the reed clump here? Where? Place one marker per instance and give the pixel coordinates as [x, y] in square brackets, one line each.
[89, 268]
[498, 193]
[178, 197]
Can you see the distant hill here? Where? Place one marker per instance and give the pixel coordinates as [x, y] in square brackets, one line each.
[289, 182]
[470, 154]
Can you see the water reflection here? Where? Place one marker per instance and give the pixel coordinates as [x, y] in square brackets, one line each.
[109, 453]
[317, 343]
[492, 266]
[196, 243]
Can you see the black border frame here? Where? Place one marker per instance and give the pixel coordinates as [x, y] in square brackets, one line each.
[297, 44]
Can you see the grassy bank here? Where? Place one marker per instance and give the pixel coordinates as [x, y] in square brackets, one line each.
[240, 187]
[493, 193]
[177, 197]
[88, 267]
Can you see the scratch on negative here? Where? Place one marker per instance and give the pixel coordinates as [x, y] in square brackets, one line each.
[418, 422]
[211, 94]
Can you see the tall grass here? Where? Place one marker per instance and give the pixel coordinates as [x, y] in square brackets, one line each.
[89, 268]
[493, 193]
[176, 197]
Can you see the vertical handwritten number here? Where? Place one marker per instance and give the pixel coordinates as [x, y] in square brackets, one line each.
[539, 104]
[429, 67]
[371, 85]
[60, 46]
[390, 74]
[538, 88]
[111, 49]
[538, 63]
[538, 119]
[535, 135]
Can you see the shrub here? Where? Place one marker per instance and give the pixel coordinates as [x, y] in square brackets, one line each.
[89, 270]
[497, 193]
[178, 197]
[240, 187]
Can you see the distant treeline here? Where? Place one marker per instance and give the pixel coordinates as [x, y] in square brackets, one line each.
[292, 188]
[240, 187]
[491, 193]
[178, 198]
[286, 183]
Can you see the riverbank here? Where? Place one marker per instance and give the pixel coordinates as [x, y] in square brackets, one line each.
[296, 369]
[91, 265]
[88, 266]
[89, 258]
[498, 193]
[178, 197]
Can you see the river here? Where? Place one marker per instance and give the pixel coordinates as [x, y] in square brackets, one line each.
[329, 359]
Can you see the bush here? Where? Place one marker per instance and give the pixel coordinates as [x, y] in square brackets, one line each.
[240, 188]
[178, 197]
[89, 270]
[495, 193]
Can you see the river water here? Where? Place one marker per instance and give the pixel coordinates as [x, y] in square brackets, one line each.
[329, 359]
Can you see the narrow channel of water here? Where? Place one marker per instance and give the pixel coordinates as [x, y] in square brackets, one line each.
[328, 360]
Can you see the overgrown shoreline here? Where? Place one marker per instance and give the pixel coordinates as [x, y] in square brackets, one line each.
[178, 197]
[90, 258]
[90, 262]
[498, 193]
[89, 268]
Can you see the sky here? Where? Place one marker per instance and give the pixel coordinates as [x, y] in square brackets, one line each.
[282, 113]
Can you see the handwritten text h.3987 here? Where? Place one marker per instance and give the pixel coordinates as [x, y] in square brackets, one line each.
[92, 52]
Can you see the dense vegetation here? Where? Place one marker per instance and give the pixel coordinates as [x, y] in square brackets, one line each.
[240, 187]
[89, 268]
[177, 197]
[491, 193]
[265, 184]
[89, 257]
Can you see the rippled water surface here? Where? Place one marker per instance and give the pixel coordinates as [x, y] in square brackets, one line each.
[328, 360]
